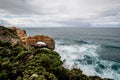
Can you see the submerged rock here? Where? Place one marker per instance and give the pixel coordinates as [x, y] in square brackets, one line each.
[116, 67]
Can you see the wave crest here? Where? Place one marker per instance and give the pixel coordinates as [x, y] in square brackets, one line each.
[85, 57]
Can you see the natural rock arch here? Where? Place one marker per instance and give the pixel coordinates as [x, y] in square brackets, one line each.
[31, 40]
[41, 38]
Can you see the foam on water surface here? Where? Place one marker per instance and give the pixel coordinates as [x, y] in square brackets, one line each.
[86, 58]
[95, 51]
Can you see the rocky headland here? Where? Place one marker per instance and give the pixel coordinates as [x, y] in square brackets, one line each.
[20, 60]
[31, 40]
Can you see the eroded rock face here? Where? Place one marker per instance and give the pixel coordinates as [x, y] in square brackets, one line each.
[9, 35]
[31, 40]
[50, 43]
[21, 33]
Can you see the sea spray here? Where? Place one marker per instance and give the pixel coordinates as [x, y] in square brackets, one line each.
[85, 57]
[101, 59]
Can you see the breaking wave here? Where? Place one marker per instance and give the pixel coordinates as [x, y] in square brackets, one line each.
[85, 57]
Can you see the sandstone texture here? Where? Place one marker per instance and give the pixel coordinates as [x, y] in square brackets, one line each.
[50, 43]
[20, 33]
[9, 35]
[32, 40]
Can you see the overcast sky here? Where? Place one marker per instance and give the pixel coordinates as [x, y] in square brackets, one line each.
[60, 13]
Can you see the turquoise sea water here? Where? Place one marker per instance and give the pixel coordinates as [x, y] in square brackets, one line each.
[96, 51]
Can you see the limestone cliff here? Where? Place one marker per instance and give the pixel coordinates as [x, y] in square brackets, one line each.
[31, 40]
[19, 63]
[50, 43]
[20, 33]
[9, 35]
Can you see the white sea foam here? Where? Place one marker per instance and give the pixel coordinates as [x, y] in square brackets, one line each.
[85, 57]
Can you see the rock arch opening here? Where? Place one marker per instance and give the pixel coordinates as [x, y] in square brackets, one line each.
[40, 44]
[41, 39]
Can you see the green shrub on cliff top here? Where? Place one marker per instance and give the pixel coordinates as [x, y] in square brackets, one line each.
[19, 63]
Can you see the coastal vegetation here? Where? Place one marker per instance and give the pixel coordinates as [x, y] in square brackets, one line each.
[20, 63]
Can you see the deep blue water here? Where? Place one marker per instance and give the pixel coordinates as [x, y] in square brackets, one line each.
[96, 51]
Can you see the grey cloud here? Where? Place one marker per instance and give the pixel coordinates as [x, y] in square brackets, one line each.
[25, 7]
[76, 23]
[107, 25]
[5, 23]
[111, 12]
[64, 12]
[15, 7]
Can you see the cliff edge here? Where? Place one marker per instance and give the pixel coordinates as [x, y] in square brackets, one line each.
[9, 35]
[32, 40]
[20, 63]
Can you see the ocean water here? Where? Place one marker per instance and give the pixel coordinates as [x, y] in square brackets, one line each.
[96, 51]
